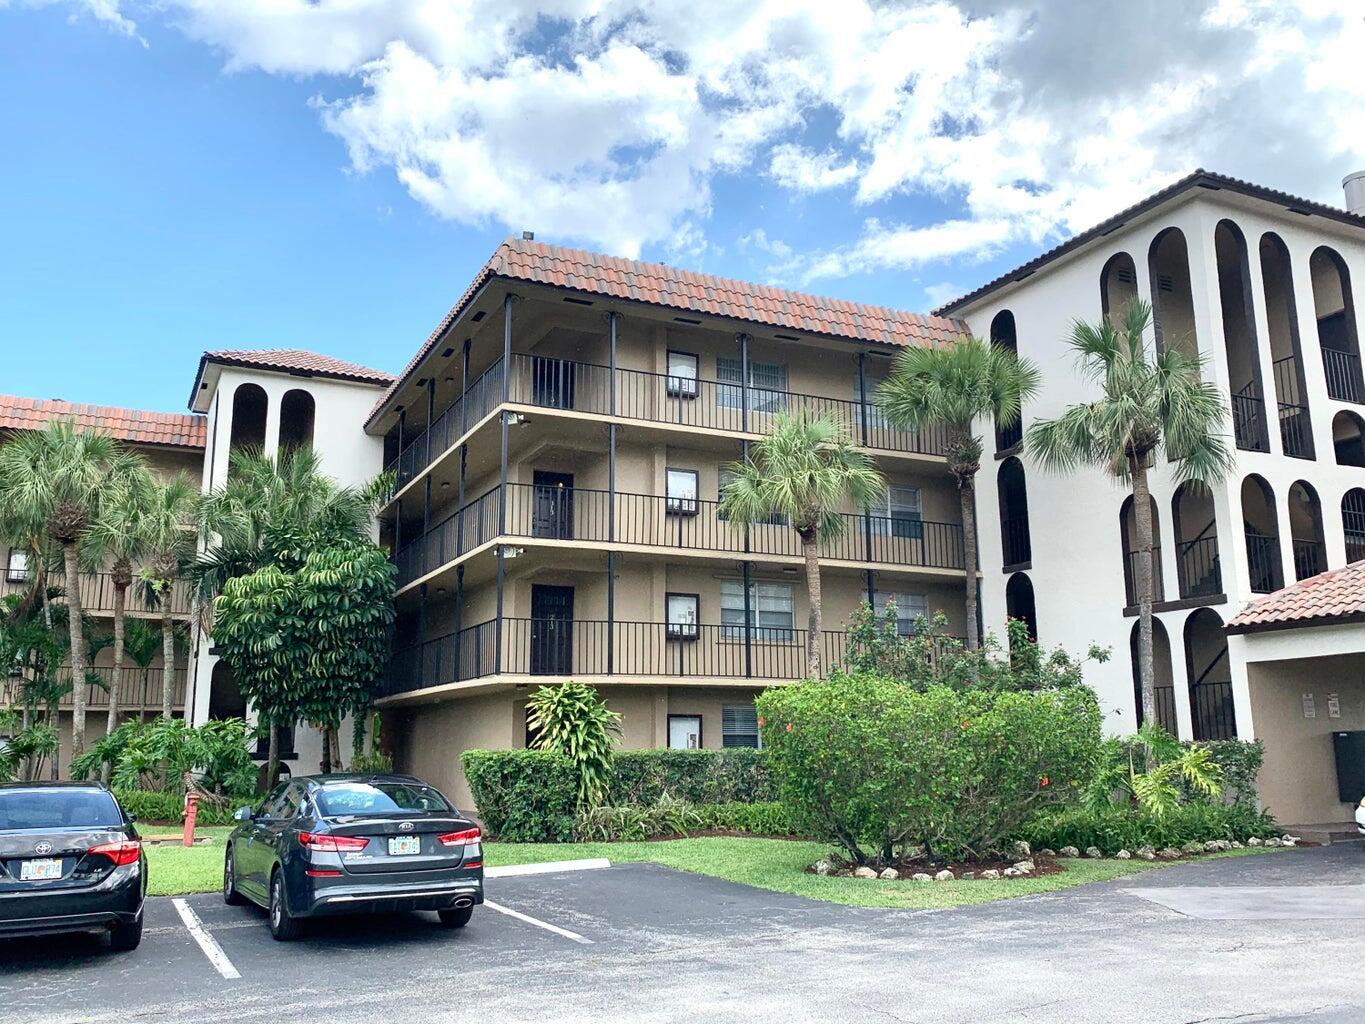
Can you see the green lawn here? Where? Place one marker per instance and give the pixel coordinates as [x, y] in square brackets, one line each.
[775, 864]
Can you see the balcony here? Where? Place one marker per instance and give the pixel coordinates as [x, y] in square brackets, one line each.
[646, 521]
[97, 594]
[560, 648]
[137, 692]
[646, 397]
[1248, 420]
[1343, 375]
[1201, 574]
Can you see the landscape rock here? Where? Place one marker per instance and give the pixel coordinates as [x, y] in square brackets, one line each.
[990, 875]
[1123, 855]
[967, 876]
[1068, 851]
[889, 875]
[864, 872]
[1093, 852]
[1289, 840]
[1022, 849]
[1146, 852]
[1272, 841]
[1045, 852]
[1211, 846]
[1192, 847]
[1236, 844]
[944, 876]
[1170, 853]
[823, 867]
[1025, 867]
[1011, 873]
[921, 877]
[1253, 841]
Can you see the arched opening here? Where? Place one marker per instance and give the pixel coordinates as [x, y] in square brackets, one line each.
[1168, 265]
[1336, 316]
[1163, 680]
[1305, 530]
[1019, 603]
[248, 417]
[1353, 523]
[296, 420]
[1118, 285]
[1262, 535]
[1206, 665]
[1129, 532]
[1286, 356]
[1196, 541]
[1239, 338]
[1003, 334]
[1014, 531]
[225, 699]
[1348, 438]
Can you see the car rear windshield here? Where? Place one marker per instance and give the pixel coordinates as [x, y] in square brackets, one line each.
[342, 799]
[57, 809]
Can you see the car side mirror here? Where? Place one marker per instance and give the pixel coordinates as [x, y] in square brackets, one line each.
[243, 814]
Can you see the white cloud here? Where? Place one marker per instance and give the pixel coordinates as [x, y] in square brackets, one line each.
[943, 291]
[106, 11]
[607, 122]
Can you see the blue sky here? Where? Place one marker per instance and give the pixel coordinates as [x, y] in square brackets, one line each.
[199, 174]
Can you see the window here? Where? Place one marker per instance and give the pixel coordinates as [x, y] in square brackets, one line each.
[336, 800]
[682, 492]
[682, 375]
[723, 478]
[767, 385]
[683, 616]
[909, 608]
[739, 726]
[899, 513]
[684, 732]
[16, 569]
[770, 611]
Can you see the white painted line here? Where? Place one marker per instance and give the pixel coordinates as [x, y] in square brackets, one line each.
[547, 867]
[538, 923]
[206, 941]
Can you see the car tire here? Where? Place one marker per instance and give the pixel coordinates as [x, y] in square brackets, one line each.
[284, 926]
[126, 936]
[230, 894]
[457, 918]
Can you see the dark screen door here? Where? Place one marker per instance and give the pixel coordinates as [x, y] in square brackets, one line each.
[551, 630]
[552, 514]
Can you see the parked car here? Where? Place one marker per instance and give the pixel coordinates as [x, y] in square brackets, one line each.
[345, 844]
[70, 861]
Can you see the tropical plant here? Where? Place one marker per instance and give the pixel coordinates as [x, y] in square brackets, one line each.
[571, 719]
[804, 470]
[1146, 406]
[58, 477]
[1154, 771]
[953, 386]
[141, 644]
[158, 755]
[167, 525]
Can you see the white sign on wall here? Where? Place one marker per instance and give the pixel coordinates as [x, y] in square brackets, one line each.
[1310, 708]
[1333, 706]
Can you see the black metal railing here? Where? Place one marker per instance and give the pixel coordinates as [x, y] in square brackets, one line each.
[1200, 572]
[477, 401]
[1263, 562]
[1164, 698]
[1007, 438]
[585, 515]
[1211, 705]
[1014, 535]
[97, 593]
[1130, 577]
[1248, 420]
[1310, 558]
[1355, 545]
[1343, 374]
[1295, 430]
[138, 689]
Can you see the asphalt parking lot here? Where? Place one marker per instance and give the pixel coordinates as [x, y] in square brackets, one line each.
[1273, 938]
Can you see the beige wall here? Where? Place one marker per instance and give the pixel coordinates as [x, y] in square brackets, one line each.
[1298, 783]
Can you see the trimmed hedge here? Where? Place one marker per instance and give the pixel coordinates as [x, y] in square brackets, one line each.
[671, 818]
[769, 818]
[523, 796]
[1122, 828]
[149, 806]
[735, 775]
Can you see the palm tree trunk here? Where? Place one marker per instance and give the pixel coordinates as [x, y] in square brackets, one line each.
[167, 658]
[810, 548]
[326, 750]
[336, 747]
[111, 721]
[77, 629]
[966, 490]
[1142, 510]
[54, 717]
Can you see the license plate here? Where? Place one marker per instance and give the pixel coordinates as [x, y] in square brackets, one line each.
[38, 870]
[402, 846]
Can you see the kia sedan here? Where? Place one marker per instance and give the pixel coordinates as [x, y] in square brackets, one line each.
[70, 861]
[346, 844]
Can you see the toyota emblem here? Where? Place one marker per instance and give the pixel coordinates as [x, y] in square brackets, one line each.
[43, 849]
[405, 827]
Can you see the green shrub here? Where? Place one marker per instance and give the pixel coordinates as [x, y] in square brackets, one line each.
[869, 761]
[641, 777]
[670, 818]
[1118, 827]
[155, 755]
[169, 808]
[523, 796]
[572, 720]
[761, 819]
[1240, 762]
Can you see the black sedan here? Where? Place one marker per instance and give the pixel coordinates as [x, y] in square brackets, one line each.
[70, 861]
[345, 844]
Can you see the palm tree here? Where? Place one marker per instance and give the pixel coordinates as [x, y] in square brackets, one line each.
[953, 386]
[1145, 405]
[168, 529]
[58, 476]
[803, 470]
[142, 643]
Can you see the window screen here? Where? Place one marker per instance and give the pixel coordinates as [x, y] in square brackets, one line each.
[909, 608]
[767, 385]
[898, 514]
[771, 612]
[739, 726]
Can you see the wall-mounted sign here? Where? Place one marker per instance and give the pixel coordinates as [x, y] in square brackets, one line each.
[1333, 706]
[1310, 707]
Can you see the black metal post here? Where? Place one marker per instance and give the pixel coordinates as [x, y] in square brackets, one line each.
[459, 499]
[459, 617]
[744, 382]
[862, 393]
[611, 437]
[871, 593]
[422, 633]
[398, 526]
[497, 623]
[611, 319]
[502, 419]
[464, 388]
[431, 413]
[748, 628]
[611, 612]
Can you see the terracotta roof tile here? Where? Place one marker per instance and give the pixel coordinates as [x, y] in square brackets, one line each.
[297, 360]
[179, 430]
[691, 292]
[1327, 597]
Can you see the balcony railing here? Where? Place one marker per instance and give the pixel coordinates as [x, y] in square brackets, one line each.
[653, 397]
[563, 648]
[1310, 558]
[1263, 562]
[1355, 545]
[1015, 534]
[97, 593]
[136, 691]
[1248, 420]
[584, 515]
[1130, 578]
[1343, 374]
[1200, 572]
[1215, 717]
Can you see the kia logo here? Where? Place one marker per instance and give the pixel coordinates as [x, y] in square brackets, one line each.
[405, 827]
[43, 848]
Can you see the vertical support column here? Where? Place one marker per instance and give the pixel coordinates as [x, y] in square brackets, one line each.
[497, 618]
[611, 612]
[459, 620]
[464, 387]
[502, 418]
[426, 526]
[431, 414]
[402, 440]
[459, 499]
[748, 628]
[612, 320]
[871, 591]
[422, 639]
[862, 394]
[744, 382]
[398, 526]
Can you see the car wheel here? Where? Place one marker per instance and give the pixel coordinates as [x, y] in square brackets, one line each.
[283, 925]
[125, 937]
[457, 918]
[230, 894]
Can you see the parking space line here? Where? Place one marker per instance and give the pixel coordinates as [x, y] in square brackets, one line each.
[538, 923]
[547, 867]
[207, 942]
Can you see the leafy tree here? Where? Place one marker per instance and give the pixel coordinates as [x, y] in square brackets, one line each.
[158, 756]
[58, 477]
[1153, 771]
[1147, 405]
[168, 533]
[804, 470]
[142, 643]
[571, 719]
[953, 386]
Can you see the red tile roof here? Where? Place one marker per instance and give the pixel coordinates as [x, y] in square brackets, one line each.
[174, 429]
[297, 360]
[1331, 596]
[691, 292]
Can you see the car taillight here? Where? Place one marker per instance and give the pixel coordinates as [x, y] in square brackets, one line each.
[123, 852]
[331, 844]
[469, 837]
